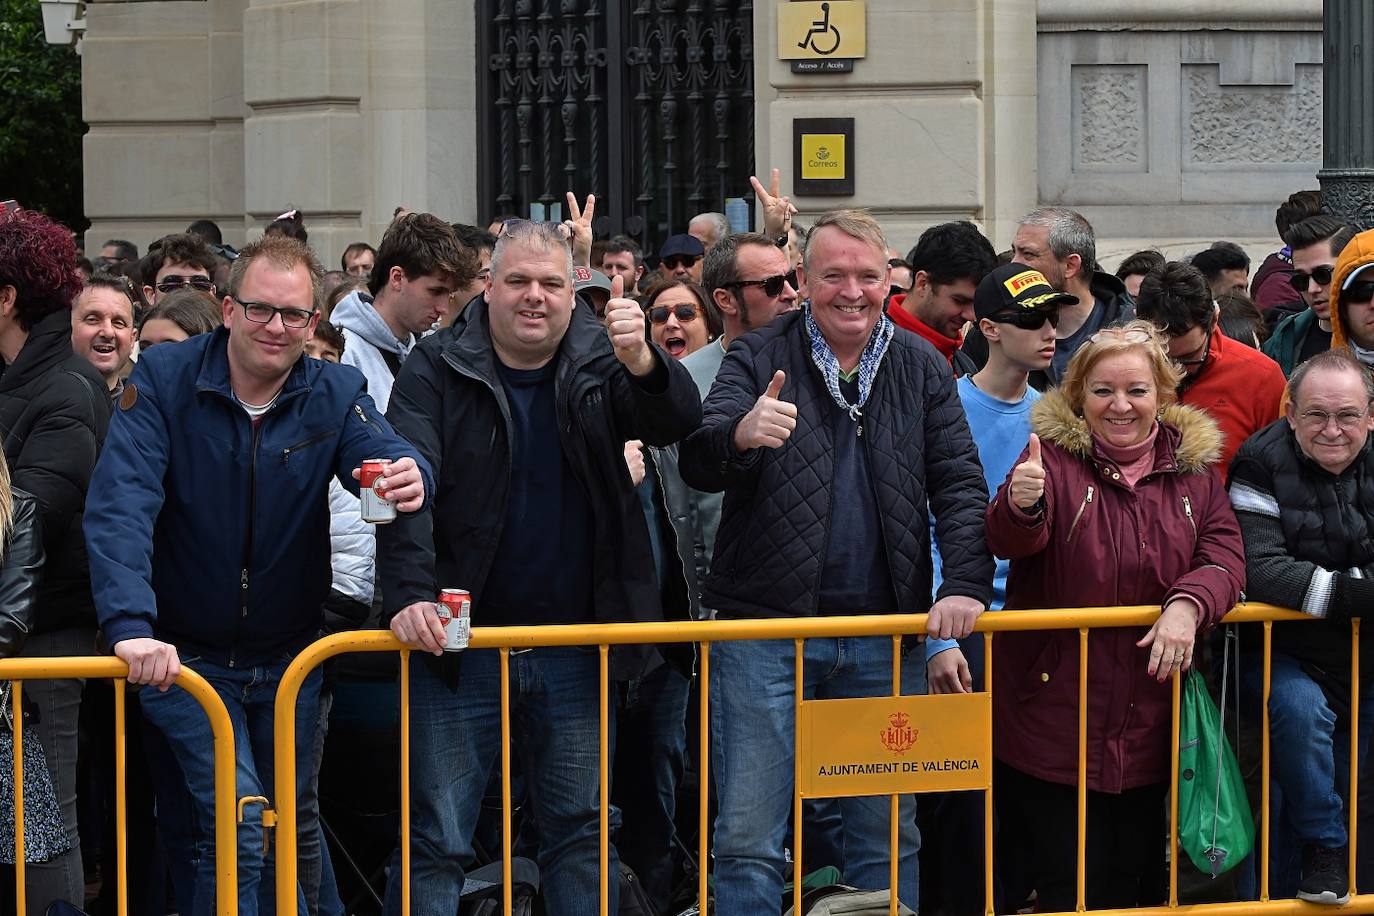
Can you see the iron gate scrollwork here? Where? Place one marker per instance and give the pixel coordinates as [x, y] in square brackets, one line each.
[649, 104]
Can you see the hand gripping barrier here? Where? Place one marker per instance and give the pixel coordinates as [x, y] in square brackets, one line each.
[20, 670]
[704, 633]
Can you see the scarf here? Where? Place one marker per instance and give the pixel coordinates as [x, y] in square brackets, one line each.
[829, 364]
[1364, 356]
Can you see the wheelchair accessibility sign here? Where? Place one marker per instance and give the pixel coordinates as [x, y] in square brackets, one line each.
[822, 37]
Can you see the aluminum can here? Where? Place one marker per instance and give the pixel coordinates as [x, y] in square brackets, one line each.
[376, 511]
[455, 613]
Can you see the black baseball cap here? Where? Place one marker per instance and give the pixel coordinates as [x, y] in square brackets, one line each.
[1014, 288]
[689, 245]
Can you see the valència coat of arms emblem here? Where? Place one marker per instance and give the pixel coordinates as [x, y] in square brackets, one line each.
[899, 737]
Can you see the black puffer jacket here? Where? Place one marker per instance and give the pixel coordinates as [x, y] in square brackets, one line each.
[20, 571]
[54, 412]
[1309, 545]
[449, 402]
[770, 549]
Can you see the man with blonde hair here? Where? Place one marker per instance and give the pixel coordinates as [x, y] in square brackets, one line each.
[829, 431]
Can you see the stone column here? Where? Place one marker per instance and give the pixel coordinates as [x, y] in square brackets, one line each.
[1347, 174]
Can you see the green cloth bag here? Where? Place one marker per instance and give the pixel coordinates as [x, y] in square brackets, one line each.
[1215, 826]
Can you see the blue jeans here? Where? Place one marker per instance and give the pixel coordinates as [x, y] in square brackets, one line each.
[248, 695]
[1310, 764]
[752, 744]
[455, 742]
[651, 732]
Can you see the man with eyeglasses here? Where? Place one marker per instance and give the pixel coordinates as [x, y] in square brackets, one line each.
[680, 258]
[176, 261]
[1238, 386]
[207, 526]
[1315, 244]
[949, 260]
[1303, 491]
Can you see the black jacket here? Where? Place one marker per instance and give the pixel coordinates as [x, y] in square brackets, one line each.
[450, 403]
[770, 549]
[54, 411]
[1309, 545]
[1117, 307]
[20, 572]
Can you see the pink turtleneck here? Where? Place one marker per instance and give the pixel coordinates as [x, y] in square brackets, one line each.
[1134, 461]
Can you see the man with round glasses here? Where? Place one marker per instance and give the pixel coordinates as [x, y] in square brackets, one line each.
[176, 261]
[1241, 388]
[208, 529]
[1315, 242]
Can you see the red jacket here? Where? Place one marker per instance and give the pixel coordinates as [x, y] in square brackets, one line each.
[1099, 543]
[1240, 388]
[904, 319]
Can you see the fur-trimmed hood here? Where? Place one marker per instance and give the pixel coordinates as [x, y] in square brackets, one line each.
[1191, 435]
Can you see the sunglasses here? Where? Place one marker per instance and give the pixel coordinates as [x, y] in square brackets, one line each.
[674, 261]
[173, 282]
[659, 313]
[1359, 291]
[1321, 274]
[772, 286]
[1029, 321]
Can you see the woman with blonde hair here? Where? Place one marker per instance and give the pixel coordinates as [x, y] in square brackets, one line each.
[1114, 502]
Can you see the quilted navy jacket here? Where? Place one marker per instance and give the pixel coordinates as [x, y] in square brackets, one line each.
[771, 545]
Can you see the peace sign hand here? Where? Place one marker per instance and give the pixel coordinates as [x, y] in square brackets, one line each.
[580, 229]
[777, 210]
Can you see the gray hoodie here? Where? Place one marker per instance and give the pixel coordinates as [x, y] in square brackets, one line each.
[366, 338]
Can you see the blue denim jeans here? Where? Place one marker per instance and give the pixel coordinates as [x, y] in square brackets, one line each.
[752, 745]
[455, 742]
[1310, 764]
[249, 695]
[651, 748]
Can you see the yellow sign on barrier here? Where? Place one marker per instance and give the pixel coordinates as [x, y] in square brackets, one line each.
[895, 745]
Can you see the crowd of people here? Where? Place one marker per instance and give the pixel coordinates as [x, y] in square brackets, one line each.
[795, 422]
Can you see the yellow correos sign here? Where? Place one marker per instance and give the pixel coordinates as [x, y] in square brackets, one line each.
[895, 745]
[833, 29]
[823, 156]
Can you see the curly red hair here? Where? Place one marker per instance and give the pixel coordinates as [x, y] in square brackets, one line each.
[37, 258]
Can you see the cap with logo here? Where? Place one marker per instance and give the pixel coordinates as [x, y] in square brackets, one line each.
[1015, 288]
[589, 278]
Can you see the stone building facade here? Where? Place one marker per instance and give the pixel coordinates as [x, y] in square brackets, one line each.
[1169, 122]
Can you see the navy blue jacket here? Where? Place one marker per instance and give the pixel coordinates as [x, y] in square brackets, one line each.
[213, 536]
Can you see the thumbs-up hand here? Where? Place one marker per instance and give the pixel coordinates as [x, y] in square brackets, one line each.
[1028, 478]
[770, 422]
[625, 326]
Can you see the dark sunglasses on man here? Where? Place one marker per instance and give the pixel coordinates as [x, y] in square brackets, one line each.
[659, 313]
[674, 261]
[772, 286]
[173, 282]
[1321, 274]
[1359, 291]
[1032, 320]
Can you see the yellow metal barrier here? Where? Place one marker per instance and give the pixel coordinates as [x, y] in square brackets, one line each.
[19, 670]
[704, 633]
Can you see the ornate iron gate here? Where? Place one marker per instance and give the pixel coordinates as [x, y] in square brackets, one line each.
[649, 104]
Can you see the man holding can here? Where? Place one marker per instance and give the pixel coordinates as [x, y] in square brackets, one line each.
[208, 529]
[524, 407]
[832, 433]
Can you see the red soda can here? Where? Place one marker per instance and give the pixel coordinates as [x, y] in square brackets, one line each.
[376, 511]
[455, 613]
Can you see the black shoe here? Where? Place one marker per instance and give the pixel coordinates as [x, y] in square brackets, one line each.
[1325, 876]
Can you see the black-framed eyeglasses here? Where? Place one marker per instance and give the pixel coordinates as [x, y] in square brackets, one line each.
[262, 313]
[659, 313]
[1321, 274]
[1029, 321]
[173, 282]
[1359, 291]
[674, 261]
[1195, 361]
[772, 286]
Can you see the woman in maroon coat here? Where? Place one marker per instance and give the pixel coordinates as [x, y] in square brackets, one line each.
[1113, 503]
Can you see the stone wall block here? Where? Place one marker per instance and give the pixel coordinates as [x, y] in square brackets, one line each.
[304, 51]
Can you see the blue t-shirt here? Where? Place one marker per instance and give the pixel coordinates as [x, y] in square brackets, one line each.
[1000, 431]
[542, 571]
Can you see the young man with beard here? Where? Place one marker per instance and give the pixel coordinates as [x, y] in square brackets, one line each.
[948, 262]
